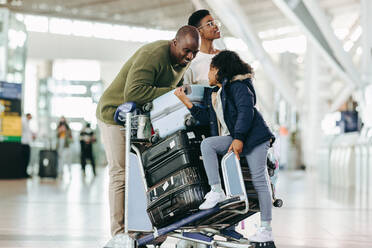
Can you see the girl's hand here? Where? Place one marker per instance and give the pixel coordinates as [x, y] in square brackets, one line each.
[180, 93]
[182, 96]
[237, 147]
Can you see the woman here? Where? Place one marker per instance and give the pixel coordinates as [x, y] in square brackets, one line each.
[64, 136]
[236, 126]
[209, 31]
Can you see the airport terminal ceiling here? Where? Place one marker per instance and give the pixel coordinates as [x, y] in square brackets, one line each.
[267, 20]
[163, 14]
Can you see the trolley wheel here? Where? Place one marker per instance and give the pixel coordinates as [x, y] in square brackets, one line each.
[190, 121]
[186, 244]
[147, 107]
[154, 138]
[269, 244]
[159, 241]
[278, 203]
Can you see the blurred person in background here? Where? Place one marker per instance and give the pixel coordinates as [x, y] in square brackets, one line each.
[27, 137]
[64, 136]
[87, 138]
[209, 31]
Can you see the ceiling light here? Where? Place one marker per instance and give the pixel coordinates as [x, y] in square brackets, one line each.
[117, 17]
[359, 50]
[16, 3]
[356, 34]
[43, 6]
[58, 8]
[348, 45]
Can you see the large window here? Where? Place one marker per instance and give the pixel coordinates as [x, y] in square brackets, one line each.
[94, 29]
[74, 107]
[87, 70]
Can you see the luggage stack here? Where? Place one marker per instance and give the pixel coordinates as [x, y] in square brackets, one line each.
[176, 178]
[173, 166]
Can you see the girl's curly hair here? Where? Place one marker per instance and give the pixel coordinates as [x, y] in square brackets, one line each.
[229, 64]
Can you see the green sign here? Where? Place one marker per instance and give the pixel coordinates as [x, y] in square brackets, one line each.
[10, 112]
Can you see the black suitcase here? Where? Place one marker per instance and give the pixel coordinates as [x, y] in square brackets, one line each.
[48, 163]
[247, 177]
[172, 154]
[249, 187]
[176, 197]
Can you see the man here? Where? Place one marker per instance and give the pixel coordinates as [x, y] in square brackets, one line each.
[153, 70]
[27, 137]
[209, 31]
[87, 138]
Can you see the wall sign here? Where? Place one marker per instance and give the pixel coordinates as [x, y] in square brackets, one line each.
[10, 112]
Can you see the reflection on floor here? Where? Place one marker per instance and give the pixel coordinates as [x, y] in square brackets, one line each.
[73, 212]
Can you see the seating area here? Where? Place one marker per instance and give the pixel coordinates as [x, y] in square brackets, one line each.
[345, 160]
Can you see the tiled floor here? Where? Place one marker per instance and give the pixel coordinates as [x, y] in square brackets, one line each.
[73, 212]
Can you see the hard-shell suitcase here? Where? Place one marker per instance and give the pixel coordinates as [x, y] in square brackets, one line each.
[48, 163]
[172, 154]
[176, 197]
[190, 175]
[247, 177]
[169, 114]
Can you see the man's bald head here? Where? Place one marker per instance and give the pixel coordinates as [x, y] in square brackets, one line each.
[188, 30]
[185, 45]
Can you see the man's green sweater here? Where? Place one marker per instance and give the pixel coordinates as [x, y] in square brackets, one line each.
[146, 75]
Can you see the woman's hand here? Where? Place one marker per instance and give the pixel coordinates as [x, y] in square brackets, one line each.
[182, 96]
[237, 147]
[61, 128]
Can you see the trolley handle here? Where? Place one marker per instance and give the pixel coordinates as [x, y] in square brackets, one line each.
[121, 111]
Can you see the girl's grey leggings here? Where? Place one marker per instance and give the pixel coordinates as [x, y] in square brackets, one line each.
[256, 159]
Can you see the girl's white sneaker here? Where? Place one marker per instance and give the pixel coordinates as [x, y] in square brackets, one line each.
[262, 235]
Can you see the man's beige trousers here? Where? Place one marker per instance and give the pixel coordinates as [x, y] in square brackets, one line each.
[114, 142]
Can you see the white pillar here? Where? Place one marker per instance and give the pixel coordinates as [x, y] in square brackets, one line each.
[45, 69]
[366, 20]
[4, 22]
[311, 116]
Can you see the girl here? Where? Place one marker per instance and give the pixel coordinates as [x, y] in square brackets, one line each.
[236, 125]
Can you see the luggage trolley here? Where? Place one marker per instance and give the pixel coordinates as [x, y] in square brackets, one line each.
[202, 226]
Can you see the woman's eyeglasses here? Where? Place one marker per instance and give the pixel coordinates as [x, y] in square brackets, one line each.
[214, 23]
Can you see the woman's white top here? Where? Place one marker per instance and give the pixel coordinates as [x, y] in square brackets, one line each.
[197, 73]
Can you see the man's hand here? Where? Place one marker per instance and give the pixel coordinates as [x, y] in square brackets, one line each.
[237, 147]
[182, 96]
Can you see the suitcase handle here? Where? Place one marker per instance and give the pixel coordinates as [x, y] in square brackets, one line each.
[159, 154]
[170, 207]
